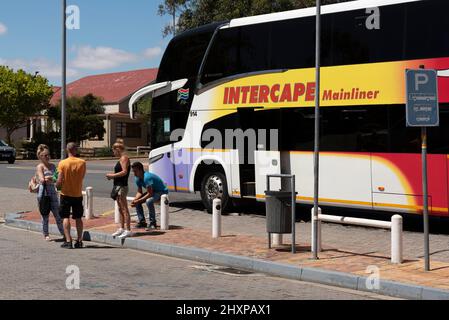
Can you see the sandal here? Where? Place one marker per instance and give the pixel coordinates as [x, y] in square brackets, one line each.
[48, 239]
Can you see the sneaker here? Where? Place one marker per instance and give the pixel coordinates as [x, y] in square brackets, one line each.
[153, 225]
[125, 235]
[118, 232]
[78, 245]
[141, 224]
[67, 245]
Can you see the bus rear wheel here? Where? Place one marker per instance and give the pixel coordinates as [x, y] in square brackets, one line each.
[214, 186]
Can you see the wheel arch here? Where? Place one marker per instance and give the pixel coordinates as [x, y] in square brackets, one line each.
[207, 164]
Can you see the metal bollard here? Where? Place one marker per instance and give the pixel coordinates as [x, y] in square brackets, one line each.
[319, 231]
[165, 213]
[277, 239]
[396, 239]
[89, 204]
[216, 219]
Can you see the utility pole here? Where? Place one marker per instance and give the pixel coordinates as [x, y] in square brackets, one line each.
[64, 80]
[317, 131]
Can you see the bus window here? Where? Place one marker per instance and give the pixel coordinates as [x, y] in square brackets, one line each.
[353, 42]
[427, 29]
[222, 60]
[354, 129]
[438, 137]
[183, 57]
[292, 46]
[237, 51]
[402, 138]
[297, 129]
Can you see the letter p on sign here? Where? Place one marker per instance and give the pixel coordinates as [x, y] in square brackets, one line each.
[421, 79]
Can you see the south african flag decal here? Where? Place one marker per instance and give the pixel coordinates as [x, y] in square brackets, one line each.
[183, 94]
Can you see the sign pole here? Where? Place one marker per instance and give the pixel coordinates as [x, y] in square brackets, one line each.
[425, 198]
[422, 111]
[64, 78]
[317, 132]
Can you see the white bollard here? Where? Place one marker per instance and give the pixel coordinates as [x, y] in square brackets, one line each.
[396, 239]
[318, 221]
[216, 219]
[116, 213]
[89, 204]
[165, 213]
[277, 239]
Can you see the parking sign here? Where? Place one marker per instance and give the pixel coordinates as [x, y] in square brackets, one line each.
[422, 98]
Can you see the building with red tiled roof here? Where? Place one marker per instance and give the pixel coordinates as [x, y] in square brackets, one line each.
[115, 89]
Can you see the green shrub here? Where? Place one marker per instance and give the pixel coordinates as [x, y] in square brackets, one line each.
[103, 152]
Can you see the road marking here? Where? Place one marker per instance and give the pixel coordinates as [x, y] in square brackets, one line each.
[33, 169]
[22, 168]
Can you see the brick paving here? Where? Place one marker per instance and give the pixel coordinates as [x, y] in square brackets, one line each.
[346, 249]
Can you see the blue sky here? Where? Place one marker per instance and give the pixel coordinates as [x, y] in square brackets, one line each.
[114, 35]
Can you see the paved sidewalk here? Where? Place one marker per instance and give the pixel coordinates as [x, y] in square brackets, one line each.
[350, 250]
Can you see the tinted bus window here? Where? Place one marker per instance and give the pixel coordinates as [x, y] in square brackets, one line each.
[223, 58]
[292, 44]
[183, 57]
[438, 137]
[427, 29]
[237, 51]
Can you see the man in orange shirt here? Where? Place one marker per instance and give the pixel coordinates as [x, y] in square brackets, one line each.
[71, 175]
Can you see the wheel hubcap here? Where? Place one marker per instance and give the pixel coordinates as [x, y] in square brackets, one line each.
[214, 188]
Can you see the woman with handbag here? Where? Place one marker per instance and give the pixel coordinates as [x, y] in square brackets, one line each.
[47, 195]
[120, 189]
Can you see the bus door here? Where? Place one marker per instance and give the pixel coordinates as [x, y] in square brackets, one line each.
[246, 147]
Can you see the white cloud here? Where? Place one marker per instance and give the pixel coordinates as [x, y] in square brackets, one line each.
[101, 58]
[152, 53]
[46, 68]
[3, 29]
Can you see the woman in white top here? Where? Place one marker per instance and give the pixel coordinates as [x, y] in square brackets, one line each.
[45, 172]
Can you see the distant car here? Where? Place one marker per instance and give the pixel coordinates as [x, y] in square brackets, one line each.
[7, 153]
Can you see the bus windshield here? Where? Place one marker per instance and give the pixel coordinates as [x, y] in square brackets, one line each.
[181, 60]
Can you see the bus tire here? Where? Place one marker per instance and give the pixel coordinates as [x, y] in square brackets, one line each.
[213, 186]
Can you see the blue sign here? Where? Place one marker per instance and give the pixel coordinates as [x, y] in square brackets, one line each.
[422, 98]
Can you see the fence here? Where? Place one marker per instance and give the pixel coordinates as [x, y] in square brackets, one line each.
[395, 225]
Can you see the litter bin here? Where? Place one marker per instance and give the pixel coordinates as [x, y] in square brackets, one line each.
[279, 212]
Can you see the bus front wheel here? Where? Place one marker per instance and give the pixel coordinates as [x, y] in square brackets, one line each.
[214, 186]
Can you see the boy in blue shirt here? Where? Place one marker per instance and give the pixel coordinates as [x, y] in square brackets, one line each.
[150, 188]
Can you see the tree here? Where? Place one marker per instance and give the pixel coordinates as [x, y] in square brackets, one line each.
[22, 96]
[144, 107]
[83, 121]
[170, 7]
[194, 13]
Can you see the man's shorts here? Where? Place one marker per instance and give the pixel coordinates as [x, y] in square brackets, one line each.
[71, 206]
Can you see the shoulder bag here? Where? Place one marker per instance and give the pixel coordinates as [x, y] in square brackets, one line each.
[45, 202]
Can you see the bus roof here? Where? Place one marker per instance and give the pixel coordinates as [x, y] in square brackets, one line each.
[307, 12]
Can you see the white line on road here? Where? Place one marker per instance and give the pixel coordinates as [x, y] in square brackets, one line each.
[33, 169]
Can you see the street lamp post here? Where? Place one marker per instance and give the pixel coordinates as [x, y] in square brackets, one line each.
[317, 131]
[64, 84]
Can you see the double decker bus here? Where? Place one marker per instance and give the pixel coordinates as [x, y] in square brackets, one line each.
[257, 73]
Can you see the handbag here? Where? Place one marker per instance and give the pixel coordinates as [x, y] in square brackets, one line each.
[45, 202]
[115, 191]
[33, 186]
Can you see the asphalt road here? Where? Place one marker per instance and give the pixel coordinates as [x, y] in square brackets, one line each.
[19, 174]
[34, 269]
